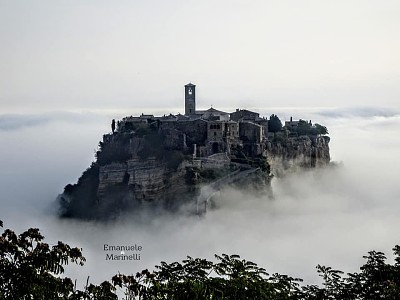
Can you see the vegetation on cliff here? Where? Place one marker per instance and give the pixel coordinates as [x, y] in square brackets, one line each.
[117, 151]
[78, 199]
[274, 124]
[32, 269]
[305, 128]
[81, 200]
[150, 160]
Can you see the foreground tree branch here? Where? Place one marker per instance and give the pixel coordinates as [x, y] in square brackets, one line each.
[32, 269]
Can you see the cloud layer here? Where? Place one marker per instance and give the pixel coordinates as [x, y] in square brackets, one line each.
[329, 216]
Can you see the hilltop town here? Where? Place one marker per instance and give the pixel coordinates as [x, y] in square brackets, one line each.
[173, 160]
[211, 131]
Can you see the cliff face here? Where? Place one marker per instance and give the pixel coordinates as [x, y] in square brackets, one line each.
[144, 182]
[147, 177]
[298, 152]
[132, 170]
[156, 168]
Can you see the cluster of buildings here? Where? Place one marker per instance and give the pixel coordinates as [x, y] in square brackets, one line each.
[207, 132]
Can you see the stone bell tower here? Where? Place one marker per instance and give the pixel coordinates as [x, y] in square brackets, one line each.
[190, 99]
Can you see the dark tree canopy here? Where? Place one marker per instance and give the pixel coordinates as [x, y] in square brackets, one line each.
[32, 269]
[321, 129]
[306, 128]
[113, 125]
[274, 124]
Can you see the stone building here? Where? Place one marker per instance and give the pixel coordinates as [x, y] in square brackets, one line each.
[244, 115]
[205, 132]
[213, 114]
[251, 133]
[291, 125]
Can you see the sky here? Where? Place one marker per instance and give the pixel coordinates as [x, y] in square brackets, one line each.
[68, 67]
[117, 57]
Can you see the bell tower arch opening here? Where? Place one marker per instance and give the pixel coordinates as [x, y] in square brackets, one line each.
[190, 99]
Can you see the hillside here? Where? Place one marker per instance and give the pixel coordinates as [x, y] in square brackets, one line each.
[156, 163]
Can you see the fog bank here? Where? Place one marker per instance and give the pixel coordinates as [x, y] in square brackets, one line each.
[328, 216]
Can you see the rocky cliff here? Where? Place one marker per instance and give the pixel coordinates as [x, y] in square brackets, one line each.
[290, 154]
[156, 168]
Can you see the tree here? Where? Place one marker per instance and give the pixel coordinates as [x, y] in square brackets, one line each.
[113, 125]
[321, 129]
[31, 269]
[304, 128]
[274, 124]
[230, 278]
[376, 280]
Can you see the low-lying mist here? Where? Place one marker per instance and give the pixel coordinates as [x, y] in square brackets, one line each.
[328, 216]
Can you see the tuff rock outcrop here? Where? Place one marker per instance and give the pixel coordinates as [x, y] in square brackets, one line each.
[294, 153]
[156, 168]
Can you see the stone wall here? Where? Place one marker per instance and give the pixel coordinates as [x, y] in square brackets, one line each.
[196, 131]
[250, 132]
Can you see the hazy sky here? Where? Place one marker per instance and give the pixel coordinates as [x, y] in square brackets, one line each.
[86, 55]
[337, 62]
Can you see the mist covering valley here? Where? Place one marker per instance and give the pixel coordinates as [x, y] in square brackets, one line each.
[328, 216]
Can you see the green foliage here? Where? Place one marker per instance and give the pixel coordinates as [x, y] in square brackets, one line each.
[274, 123]
[191, 175]
[280, 138]
[305, 128]
[143, 131]
[116, 150]
[262, 163]
[173, 159]
[320, 129]
[238, 155]
[195, 278]
[79, 199]
[153, 145]
[128, 126]
[113, 125]
[32, 269]
[376, 280]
